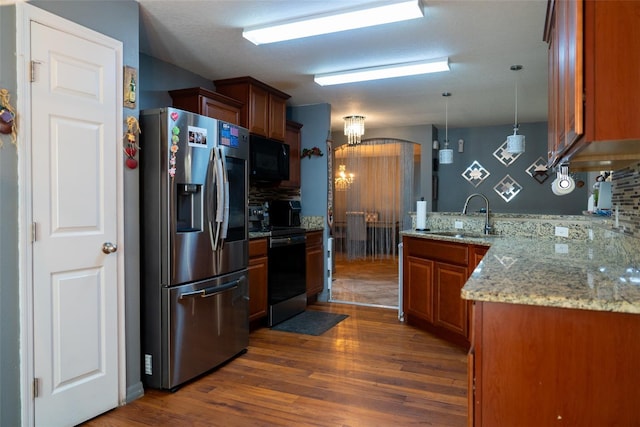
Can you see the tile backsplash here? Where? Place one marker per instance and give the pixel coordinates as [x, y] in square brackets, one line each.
[626, 197]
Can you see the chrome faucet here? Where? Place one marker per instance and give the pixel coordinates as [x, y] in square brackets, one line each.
[487, 226]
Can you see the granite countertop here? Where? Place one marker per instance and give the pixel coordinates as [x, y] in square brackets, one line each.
[601, 272]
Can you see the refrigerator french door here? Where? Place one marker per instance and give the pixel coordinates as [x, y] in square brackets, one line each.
[194, 244]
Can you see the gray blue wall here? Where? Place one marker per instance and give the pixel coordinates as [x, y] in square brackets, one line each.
[9, 286]
[480, 143]
[316, 124]
[157, 78]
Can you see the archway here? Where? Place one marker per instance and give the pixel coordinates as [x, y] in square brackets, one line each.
[375, 186]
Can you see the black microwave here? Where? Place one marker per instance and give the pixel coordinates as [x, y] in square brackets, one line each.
[268, 159]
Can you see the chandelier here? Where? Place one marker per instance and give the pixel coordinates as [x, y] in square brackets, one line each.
[343, 180]
[354, 129]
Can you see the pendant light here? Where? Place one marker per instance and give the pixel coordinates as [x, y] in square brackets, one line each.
[445, 156]
[515, 142]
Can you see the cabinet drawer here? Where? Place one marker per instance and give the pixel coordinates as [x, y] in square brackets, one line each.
[454, 253]
[257, 248]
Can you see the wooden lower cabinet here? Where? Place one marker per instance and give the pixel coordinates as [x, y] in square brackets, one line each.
[434, 273]
[258, 278]
[450, 310]
[544, 366]
[315, 264]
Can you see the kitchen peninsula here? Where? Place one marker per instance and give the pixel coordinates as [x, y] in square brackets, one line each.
[554, 326]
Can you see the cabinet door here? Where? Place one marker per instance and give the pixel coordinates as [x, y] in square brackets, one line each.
[315, 263]
[259, 111]
[450, 310]
[574, 86]
[418, 288]
[220, 111]
[566, 84]
[258, 278]
[277, 117]
[293, 139]
[552, 141]
[208, 103]
[478, 253]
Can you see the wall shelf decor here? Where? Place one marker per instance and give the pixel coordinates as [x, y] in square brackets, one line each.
[504, 156]
[130, 87]
[538, 170]
[475, 173]
[507, 188]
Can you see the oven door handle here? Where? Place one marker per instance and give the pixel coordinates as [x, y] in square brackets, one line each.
[287, 241]
[209, 292]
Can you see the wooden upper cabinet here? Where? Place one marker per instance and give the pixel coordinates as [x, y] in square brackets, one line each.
[594, 57]
[292, 137]
[207, 103]
[264, 110]
[277, 111]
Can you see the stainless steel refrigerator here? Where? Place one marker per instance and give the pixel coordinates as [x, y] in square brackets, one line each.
[194, 244]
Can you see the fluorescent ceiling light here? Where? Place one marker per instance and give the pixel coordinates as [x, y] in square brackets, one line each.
[383, 72]
[335, 21]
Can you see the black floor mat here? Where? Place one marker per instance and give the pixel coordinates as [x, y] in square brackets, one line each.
[310, 322]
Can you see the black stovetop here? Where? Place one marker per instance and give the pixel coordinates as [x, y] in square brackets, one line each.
[280, 231]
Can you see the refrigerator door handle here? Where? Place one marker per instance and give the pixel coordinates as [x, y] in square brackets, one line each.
[219, 196]
[225, 217]
[210, 207]
[212, 291]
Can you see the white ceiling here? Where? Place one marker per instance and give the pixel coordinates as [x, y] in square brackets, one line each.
[481, 38]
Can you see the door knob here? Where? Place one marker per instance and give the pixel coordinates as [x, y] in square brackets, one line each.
[109, 248]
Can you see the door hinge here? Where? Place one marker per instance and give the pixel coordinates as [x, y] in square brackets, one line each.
[32, 70]
[33, 232]
[36, 387]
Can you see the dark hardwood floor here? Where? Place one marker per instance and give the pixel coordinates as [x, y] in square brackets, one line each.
[369, 370]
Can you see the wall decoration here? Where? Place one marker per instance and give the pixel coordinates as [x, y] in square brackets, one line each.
[7, 117]
[507, 188]
[308, 152]
[538, 170]
[130, 87]
[475, 174]
[504, 156]
[131, 146]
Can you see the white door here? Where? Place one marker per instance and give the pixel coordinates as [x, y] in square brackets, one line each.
[75, 150]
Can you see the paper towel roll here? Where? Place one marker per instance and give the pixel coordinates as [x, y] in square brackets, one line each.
[421, 215]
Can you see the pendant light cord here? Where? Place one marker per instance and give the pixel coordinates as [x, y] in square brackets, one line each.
[516, 68]
[446, 118]
[516, 118]
[445, 156]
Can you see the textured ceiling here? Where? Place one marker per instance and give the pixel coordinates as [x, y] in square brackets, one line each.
[481, 38]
